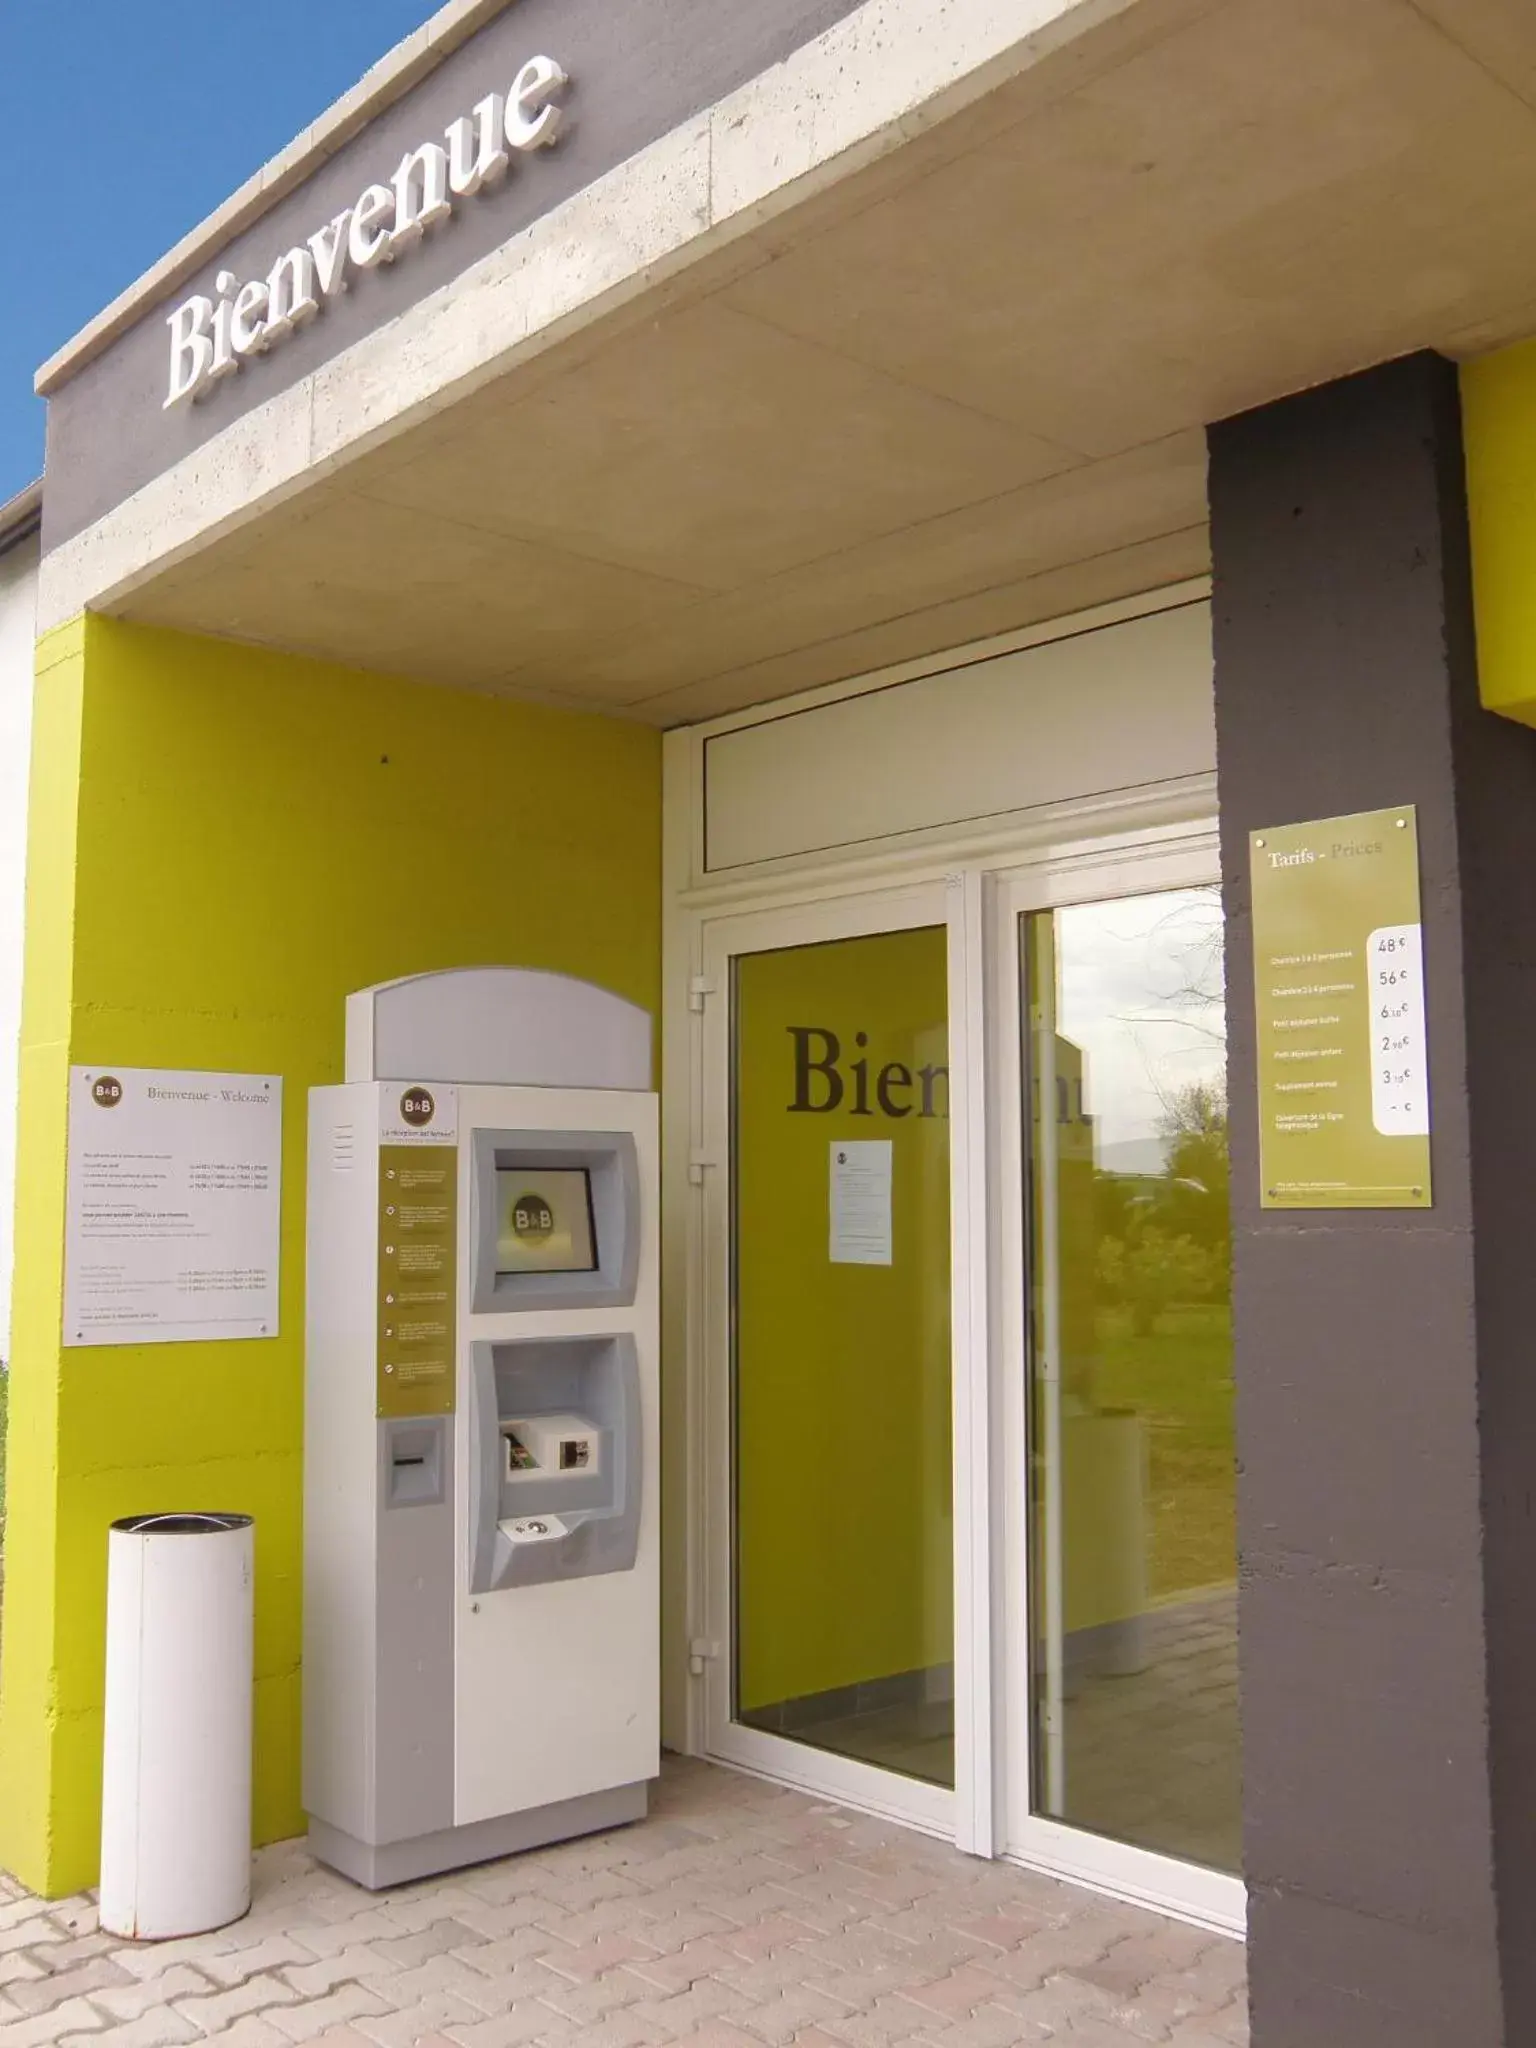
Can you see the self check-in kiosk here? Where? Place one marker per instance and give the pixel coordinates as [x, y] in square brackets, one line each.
[481, 1532]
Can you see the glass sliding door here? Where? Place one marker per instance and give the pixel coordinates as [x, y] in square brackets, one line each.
[841, 1517]
[969, 1484]
[1131, 1524]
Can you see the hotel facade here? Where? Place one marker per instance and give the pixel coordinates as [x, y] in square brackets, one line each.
[975, 561]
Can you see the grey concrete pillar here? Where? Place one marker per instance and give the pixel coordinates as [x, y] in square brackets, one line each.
[1386, 1361]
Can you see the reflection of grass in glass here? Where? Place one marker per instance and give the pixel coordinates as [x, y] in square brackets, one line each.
[1180, 1379]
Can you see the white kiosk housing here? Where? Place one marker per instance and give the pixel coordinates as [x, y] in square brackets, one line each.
[481, 1641]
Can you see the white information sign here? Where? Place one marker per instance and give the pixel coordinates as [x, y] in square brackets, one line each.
[175, 1188]
[861, 1202]
[1399, 1044]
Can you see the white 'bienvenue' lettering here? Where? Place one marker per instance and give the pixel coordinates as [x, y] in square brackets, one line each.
[211, 338]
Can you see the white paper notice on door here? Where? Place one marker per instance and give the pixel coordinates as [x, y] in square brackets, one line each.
[171, 1220]
[861, 1202]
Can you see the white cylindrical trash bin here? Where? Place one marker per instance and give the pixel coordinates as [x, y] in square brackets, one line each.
[176, 1777]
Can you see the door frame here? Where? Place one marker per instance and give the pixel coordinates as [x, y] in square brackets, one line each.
[1209, 1897]
[978, 890]
[932, 1808]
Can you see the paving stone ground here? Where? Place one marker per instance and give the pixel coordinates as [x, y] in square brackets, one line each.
[739, 1915]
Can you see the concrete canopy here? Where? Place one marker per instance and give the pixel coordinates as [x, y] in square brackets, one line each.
[957, 390]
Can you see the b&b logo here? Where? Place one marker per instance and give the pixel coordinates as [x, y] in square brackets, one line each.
[417, 1108]
[533, 1220]
[106, 1091]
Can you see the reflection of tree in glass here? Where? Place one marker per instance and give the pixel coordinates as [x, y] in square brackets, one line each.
[1184, 967]
[1152, 1271]
[1198, 959]
[1198, 1198]
[1143, 989]
[1164, 1284]
[1166, 1239]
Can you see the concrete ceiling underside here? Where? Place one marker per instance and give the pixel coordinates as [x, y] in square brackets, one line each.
[960, 392]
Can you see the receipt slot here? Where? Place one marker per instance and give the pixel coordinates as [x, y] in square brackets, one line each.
[481, 1661]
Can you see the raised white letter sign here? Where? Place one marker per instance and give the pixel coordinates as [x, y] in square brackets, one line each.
[210, 339]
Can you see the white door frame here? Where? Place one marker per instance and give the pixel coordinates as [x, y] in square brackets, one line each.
[724, 938]
[1210, 1898]
[979, 894]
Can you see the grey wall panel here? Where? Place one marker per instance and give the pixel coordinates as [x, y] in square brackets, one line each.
[1386, 1404]
[1107, 708]
[637, 71]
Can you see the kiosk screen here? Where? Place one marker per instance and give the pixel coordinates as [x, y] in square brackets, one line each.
[544, 1220]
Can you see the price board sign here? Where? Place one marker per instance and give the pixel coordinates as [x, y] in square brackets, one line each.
[1343, 1066]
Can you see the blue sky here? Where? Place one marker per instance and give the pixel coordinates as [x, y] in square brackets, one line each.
[125, 121]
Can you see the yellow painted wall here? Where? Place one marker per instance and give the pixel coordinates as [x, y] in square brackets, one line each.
[225, 842]
[1498, 396]
[845, 1530]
